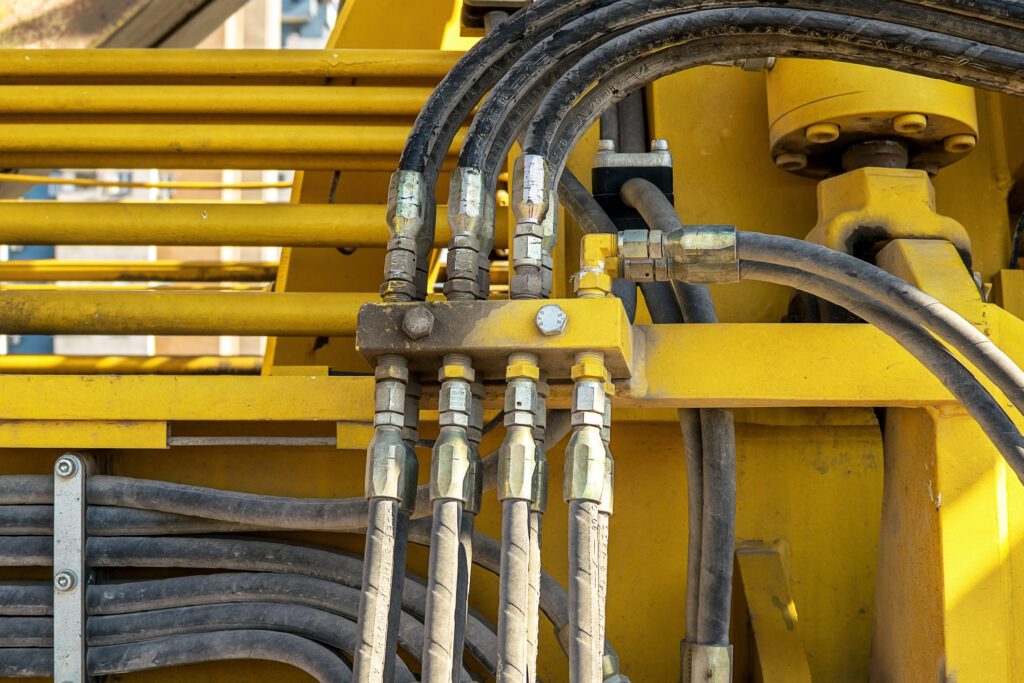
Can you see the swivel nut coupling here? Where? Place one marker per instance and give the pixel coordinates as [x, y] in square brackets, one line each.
[586, 460]
[532, 206]
[387, 455]
[696, 254]
[450, 461]
[517, 458]
[406, 216]
[467, 216]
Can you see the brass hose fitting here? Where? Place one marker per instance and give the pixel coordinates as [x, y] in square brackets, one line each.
[549, 228]
[585, 455]
[531, 203]
[517, 459]
[705, 254]
[407, 215]
[467, 214]
[449, 467]
[386, 456]
[410, 435]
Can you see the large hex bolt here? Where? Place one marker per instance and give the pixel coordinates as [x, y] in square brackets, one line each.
[551, 320]
[417, 323]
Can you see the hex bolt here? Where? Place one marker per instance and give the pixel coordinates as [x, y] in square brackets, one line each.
[417, 323]
[551, 320]
[791, 161]
[64, 580]
[65, 466]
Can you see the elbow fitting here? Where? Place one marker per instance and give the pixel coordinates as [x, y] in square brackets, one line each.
[517, 459]
[407, 214]
[599, 263]
[467, 213]
[704, 254]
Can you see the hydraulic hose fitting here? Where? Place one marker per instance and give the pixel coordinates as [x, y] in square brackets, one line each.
[467, 215]
[386, 456]
[599, 263]
[540, 425]
[531, 203]
[449, 467]
[517, 460]
[474, 434]
[586, 456]
[549, 228]
[707, 663]
[407, 215]
[611, 668]
[702, 254]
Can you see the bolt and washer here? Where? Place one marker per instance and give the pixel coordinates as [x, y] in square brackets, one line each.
[65, 467]
[64, 580]
[418, 323]
[551, 320]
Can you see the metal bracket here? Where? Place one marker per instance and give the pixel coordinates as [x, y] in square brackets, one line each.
[69, 571]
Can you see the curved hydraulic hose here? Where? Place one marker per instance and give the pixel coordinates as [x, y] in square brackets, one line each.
[964, 386]
[496, 124]
[303, 654]
[897, 293]
[842, 47]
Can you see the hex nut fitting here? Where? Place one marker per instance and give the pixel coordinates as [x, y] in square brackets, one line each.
[551, 320]
[65, 580]
[707, 253]
[449, 466]
[585, 460]
[418, 323]
[385, 461]
[407, 205]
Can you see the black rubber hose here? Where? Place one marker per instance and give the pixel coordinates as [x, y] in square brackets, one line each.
[839, 46]
[26, 599]
[495, 125]
[239, 555]
[17, 632]
[303, 654]
[979, 65]
[964, 386]
[316, 660]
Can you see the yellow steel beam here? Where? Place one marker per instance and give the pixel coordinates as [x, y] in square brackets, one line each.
[244, 100]
[172, 223]
[200, 398]
[130, 365]
[69, 65]
[83, 434]
[56, 270]
[174, 159]
[184, 313]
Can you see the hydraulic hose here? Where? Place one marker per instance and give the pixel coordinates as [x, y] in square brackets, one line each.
[316, 660]
[585, 650]
[375, 653]
[710, 566]
[897, 293]
[971, 394]
[439, 635]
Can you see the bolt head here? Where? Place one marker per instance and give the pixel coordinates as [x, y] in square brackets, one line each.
[418, 323]
[64, 580]
[659, 145]
[65, 467]
[551, 320]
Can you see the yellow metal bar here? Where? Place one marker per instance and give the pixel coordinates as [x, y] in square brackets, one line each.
[82, 434]
[56, 270]
[318, 140]
[245, 100]
[178, 64]
[170, 185]
[130, 365]
[184, 313]
[307, 225]
[773, 616]
[282, 160]
[171, 398]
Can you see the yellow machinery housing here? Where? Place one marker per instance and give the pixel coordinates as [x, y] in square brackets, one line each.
[878, 532]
